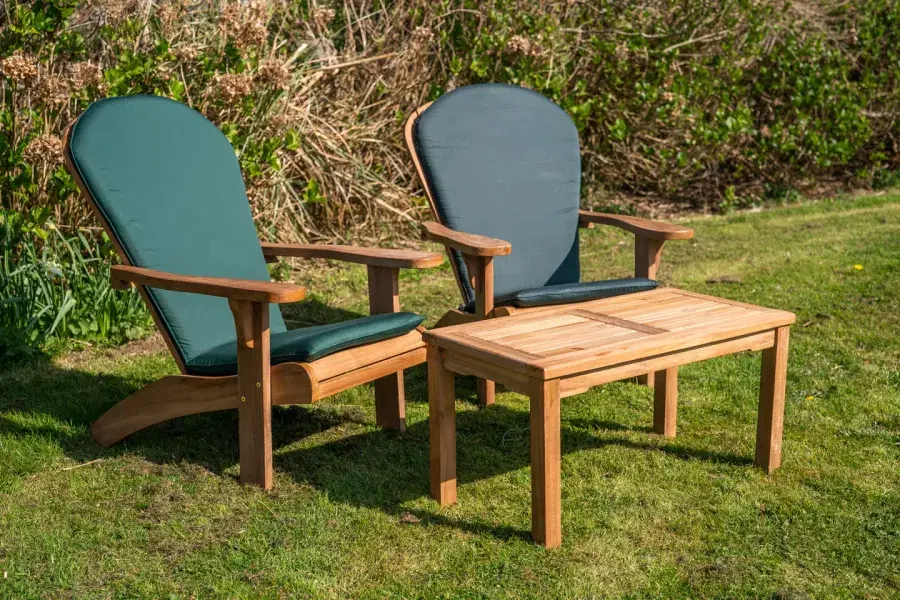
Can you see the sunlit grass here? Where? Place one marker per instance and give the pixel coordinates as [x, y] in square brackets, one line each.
[161, 514]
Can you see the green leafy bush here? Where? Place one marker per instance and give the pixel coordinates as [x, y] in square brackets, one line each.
[56, 287]
[710, 103]
[716, 104]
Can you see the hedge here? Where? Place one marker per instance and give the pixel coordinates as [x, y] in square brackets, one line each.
[710, 104]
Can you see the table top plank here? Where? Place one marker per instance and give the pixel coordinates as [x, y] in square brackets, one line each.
[540, 333]
[656, 297]
[616, 353]
[727, 301]
[494, 328]
[593, 337]
[689, 320]
[568, 349]
[659, 309]
[610, 320]
[565, 340]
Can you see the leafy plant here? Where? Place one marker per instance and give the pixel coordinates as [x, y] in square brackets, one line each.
[715, 104]
[55, 288]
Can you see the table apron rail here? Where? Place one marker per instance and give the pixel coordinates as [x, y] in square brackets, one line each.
[467, 365]
[575, 384]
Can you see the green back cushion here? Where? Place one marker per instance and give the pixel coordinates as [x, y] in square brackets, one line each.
[168, 183]
[504, 161]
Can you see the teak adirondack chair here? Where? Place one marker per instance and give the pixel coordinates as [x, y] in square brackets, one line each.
[166, 186]
[501, 168]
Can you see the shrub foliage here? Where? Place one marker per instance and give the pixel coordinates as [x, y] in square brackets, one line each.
[55, 286]
[707, 102]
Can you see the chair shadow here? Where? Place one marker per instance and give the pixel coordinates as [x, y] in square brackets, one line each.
[377, 469]
[608, 425]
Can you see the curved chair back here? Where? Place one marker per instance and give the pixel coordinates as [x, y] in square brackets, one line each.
[167, 187]
[504, 161]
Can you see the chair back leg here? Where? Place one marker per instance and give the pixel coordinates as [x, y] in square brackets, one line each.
[390, 397]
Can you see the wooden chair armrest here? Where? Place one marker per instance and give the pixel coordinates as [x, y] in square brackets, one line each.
[374, 257]
[654, 230]
[467, 243]
[233, 289]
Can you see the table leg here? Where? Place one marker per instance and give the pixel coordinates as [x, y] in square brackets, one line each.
[546, 496]
[484, 389]
[770, 421]
[665, 402]
[441, 428]
[648, 379]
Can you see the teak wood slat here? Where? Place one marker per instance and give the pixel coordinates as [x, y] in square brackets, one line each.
[655, 230]
[609, 320]
[233, 289]
[565, 350]
[560, 347]
[375, 257]
[363, 356]
[372, 372]
[577, 326]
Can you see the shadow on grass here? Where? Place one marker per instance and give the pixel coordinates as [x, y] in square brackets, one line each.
[379, 469]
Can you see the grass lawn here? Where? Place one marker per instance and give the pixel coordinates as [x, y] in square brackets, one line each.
[161, 514]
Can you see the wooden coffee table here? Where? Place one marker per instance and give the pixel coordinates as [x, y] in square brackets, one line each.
[554, 352]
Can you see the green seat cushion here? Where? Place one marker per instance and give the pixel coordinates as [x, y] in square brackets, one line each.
[574, 292]
[504, 161]
[168, 182]
[581, 292]
[310, 343]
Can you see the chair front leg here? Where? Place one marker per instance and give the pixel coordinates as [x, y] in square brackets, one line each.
[390, 397]
[647, 255]
[481, 270]
[251, 321]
